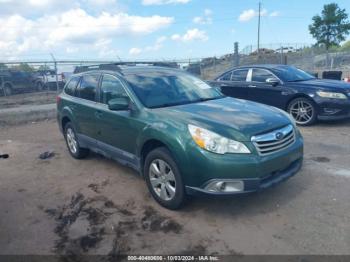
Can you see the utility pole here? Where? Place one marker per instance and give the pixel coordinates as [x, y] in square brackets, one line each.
[55, 63]
[235, 55]
[259, 28]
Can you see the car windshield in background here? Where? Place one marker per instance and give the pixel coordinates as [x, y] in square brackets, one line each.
[158, 89]
[291, 74]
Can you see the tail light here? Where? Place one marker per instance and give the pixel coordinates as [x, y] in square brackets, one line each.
[58, 99]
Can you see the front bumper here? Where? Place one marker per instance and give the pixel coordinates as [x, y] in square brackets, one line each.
[255, 171]
[333, 109]
[254, 184]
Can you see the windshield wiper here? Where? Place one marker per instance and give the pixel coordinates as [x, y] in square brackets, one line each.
[186, 102]
[209, 98]
[170, 104]
[300, 80]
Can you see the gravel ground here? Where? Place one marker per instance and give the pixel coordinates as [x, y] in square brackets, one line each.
[96, 206]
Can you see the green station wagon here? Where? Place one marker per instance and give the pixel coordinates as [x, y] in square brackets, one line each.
[182, 135]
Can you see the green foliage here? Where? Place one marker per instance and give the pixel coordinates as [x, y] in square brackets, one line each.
[24, 67]
[331, 27]
[44, 67]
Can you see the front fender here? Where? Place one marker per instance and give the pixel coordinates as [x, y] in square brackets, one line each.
[174, 139]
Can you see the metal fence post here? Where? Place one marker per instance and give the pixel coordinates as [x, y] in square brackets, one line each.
[55, 63]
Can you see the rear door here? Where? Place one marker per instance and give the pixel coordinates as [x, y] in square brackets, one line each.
[85, 106]
[261, 91]
[234, 83]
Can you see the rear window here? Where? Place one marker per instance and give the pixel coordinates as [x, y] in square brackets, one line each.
[88, 87]
[70, 87]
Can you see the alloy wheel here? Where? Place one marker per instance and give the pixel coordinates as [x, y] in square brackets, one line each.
[302, 112]
[162, 179]
[71, 141]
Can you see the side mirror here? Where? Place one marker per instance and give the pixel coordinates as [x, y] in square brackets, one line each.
[272, 81]
[119, 103]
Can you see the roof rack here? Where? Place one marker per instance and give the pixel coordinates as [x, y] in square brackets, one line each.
[117, 66]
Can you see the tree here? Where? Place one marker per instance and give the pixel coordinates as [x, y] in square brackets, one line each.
[24, 67]
[44, 67]
[331, 27]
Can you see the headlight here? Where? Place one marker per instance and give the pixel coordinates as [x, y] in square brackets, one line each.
[215, 143]
[331, 95]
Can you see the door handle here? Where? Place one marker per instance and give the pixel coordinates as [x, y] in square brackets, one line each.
[98, 114]
[252, 86]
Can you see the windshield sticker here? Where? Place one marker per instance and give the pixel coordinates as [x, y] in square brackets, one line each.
[202, 85]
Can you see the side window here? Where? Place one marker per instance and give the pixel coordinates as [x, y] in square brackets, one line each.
[111, 88]
[88, 86]
[239, 75]
[226, 77]
[260, 75]
[70, 87]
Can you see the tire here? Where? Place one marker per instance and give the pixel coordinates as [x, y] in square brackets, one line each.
[73, 144]
[163, 179]
[8, 90]
[303, 110]
[39, 86]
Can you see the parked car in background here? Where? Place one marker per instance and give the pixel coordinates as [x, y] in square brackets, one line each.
[46, 79]
[285, 50]
[303, 96]
[182, 135]
[66, 76]
[16, 82]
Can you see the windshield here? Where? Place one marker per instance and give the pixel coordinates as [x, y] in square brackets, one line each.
[291, 74]
[162, 89]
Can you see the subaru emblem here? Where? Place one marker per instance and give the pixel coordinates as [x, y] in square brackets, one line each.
[279, 135]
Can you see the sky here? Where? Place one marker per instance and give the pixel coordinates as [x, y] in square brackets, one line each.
[148, 29]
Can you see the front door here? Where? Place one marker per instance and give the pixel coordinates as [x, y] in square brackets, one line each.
[261, 91]
[117, 130]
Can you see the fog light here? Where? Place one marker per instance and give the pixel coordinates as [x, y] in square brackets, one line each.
[225, 186]
[331, 111]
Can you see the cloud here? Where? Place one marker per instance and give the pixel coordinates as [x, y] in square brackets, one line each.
[191, 35]
[249, 14]
[35, 7]
[164, 2]
[205, 18]
[73, 28]
[38, 7]
[275, 13]
[151, 48]
[135, 51]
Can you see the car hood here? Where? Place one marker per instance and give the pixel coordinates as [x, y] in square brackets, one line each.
[233, 118]
[326, 84]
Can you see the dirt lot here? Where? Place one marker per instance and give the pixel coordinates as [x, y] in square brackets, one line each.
[37, 98]
[96, 206]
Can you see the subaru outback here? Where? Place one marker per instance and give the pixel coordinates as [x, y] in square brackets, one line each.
[182, 135]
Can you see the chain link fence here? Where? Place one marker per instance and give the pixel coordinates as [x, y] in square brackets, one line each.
[311, 59]
[38, 82]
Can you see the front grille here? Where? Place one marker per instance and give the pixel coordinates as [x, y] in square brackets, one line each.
[274, 141]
